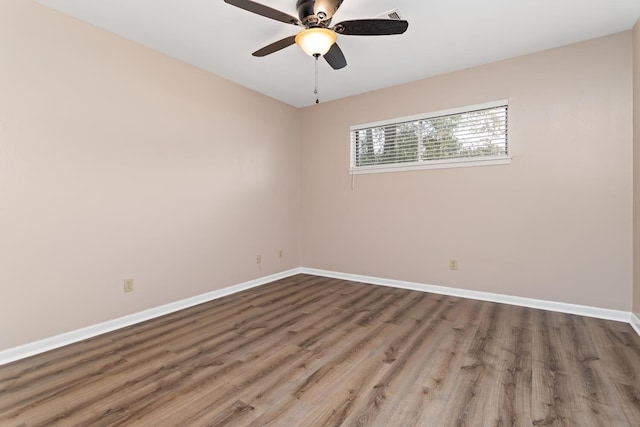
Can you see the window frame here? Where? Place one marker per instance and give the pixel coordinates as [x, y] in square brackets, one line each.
[455, 162]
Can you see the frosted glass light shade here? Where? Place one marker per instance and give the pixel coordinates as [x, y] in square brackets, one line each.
[316, 41]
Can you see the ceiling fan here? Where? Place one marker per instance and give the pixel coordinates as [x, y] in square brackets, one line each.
[318, 38]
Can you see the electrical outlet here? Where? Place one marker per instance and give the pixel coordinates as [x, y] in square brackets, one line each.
[128, 285]
[453, 264]
[258, 259]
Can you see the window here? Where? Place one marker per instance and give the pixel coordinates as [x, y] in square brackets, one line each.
[469, 136]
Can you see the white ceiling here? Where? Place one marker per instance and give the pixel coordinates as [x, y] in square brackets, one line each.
[443, 36]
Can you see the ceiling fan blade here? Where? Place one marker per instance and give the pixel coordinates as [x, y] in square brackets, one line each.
[335, 57]
[263, 10]
[275, 46]
[371, 27]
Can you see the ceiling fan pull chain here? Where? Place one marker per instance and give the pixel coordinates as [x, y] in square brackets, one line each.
[316, 89]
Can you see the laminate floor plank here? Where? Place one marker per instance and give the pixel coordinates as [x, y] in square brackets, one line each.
[320, 373]
[617, 353]
[404, 354]
[160, 331]
[313, 351]
[409, 365]
[195, 400]
[325, 375]
[554, 401]
[249, 344]
[589, 374]
[427, 403]
[56, 407]
[514, 396]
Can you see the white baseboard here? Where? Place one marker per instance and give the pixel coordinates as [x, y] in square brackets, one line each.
[635, 322]
[30, 349]
[16, 353]
[583, 310]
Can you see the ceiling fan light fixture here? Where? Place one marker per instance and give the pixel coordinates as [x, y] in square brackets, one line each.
[316, 41]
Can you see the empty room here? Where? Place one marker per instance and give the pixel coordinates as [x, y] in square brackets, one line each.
[319, 213]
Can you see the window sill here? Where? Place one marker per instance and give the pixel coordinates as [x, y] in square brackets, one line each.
[437, 164]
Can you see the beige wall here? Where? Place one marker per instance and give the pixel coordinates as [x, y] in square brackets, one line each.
[116, 162]
[555, 224]
[636, 168]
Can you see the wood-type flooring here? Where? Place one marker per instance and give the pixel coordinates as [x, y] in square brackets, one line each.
[313, 351]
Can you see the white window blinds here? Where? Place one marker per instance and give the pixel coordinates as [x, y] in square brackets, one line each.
[466, 134]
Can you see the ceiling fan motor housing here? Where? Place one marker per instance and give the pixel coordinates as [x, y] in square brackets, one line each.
[314, 13]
